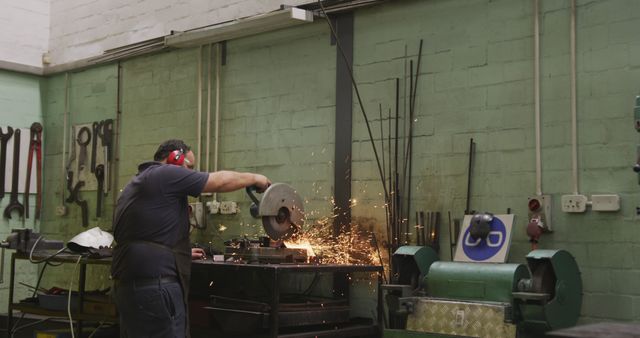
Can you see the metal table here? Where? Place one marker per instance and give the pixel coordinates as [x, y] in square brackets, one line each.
[273, 272]
[79, 315]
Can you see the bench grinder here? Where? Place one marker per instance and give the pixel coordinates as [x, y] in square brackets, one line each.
[486, 300]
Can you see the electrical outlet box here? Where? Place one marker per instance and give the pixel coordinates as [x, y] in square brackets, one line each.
[539, 208]
[574, 203]
[196, 215]
[605, 202]
[227, 208]
[213, 207]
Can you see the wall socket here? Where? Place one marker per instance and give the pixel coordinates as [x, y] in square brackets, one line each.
[214, 207]
[605, 202]
[539, 207]
[227, 208]
[574, 203]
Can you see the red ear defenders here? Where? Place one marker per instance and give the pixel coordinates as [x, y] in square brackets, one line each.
[176, 157]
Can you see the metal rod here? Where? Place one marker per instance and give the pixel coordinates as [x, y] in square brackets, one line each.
[384, 174]
[422, 225]
[2, 265]
[395, 161]
[412, 109]
[417, 226]
[467, 209]
[415, 86]
[391, 201]
[451, 236]
[382, 145]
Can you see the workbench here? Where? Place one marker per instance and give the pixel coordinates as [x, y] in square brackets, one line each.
[78, 315]
[206, 274]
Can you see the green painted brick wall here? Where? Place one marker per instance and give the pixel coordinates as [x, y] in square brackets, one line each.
[277, 117]
[477, 81]
[20, 106]
[92, 97]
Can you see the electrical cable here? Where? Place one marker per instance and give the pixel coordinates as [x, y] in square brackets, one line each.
[100, 324]
[45, 259]
[69, 296]
[28, 325]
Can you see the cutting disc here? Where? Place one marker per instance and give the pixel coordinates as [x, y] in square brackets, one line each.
[282, 211]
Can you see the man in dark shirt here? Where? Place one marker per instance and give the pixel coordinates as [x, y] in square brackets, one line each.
[152, 258]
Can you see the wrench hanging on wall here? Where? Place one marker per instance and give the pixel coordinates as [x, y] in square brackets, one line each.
[84, 138]
[100, 177]
[73, 197]
[4, 138]
[14, 204]
[97, 132]
[35, 144]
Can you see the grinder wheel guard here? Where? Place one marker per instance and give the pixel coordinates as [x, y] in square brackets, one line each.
[281, 210]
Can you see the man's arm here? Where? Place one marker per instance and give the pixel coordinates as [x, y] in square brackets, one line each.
[225, 181]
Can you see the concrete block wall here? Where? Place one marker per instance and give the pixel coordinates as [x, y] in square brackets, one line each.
[276, 116]
[20, 106]
[477, 82]
[92, 97]
[25, 31]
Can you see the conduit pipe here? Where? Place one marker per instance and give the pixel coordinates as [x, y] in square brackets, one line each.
[114, 177]
[199, 118]
[217, 117]
[536, 86]
[208, 130]
[574, 113]
[65, 121]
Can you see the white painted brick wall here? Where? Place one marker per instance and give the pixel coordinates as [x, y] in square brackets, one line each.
[24, 31]
[72, 30]
[85, 28]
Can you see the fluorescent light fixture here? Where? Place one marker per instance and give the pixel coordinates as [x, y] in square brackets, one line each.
[239, 28]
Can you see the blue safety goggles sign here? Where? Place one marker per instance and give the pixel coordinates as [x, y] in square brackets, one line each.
[492, 247]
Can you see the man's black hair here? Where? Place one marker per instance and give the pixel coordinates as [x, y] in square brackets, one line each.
[167, 147]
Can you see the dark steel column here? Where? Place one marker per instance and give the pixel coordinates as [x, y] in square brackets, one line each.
[343, 24]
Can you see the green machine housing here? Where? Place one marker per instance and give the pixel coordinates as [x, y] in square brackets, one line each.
[459, 299]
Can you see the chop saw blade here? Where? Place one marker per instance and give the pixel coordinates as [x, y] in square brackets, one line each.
[281, 210]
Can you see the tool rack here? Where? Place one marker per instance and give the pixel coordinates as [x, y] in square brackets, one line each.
[78, 315]
[271, 274]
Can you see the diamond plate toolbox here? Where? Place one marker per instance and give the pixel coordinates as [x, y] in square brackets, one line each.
[467, 319]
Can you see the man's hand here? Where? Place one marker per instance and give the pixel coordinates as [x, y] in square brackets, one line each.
[197, 253]
[262, 183]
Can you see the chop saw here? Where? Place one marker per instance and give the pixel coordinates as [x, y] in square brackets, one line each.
[281, 210]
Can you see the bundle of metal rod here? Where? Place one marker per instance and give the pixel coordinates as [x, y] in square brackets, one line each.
[454, 233]
[432, 227]
[394, 182]
[398, 172]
